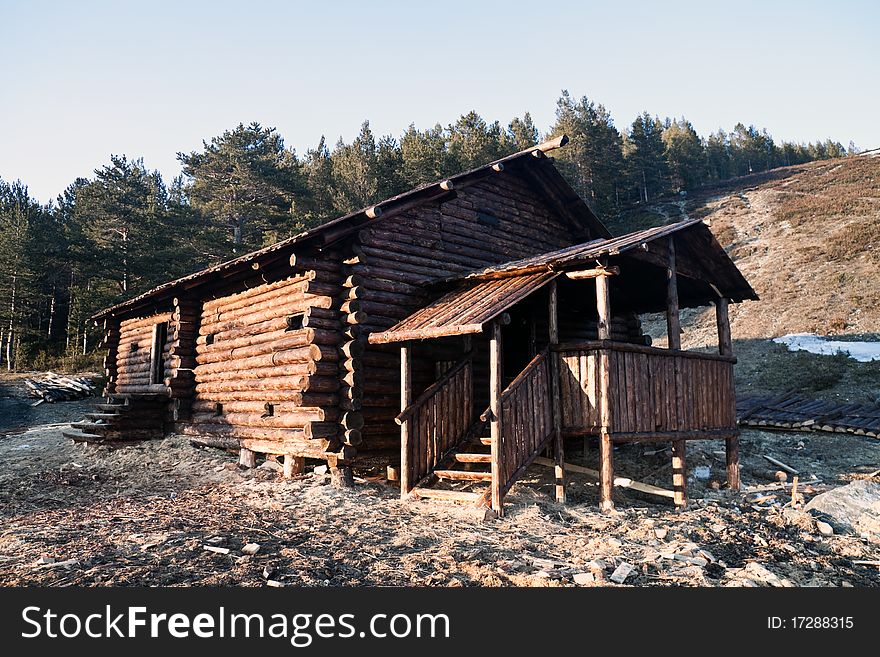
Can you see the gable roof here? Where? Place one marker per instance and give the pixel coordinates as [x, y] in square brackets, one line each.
[531, 163]
[481, 296]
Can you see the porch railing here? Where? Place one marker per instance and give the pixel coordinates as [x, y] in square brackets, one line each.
[652, 392]
[435, 423]
[527, 423]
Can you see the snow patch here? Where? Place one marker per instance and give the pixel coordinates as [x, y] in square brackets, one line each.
[860, 351]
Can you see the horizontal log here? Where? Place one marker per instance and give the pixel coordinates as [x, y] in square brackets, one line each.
[237, 370]
[292, 383]
[227, 361]
[297, 420]
[143, 322]
[258, 314]
[296, 398]
[301, 262]
[247, 297]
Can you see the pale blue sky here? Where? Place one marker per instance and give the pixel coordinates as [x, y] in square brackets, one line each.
[85, 79]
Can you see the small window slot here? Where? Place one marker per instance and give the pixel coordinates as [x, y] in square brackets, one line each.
[488, 219]
[295, 322]
[209, 339]
[133, 347]
[218, 409]
[270, 410]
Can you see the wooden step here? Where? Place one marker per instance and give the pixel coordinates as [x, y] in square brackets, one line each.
[90, 427]
[102, 416]
[464, 457]
[81, 437]
[482, 440]
[111, 408]
[463, 475]
[464, 497]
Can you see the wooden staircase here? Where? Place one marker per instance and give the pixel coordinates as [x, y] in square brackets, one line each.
[122, 418]
[459, 467]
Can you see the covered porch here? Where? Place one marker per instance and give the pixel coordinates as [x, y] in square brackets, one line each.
[550, 348]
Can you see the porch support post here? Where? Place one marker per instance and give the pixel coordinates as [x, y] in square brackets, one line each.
[495, 425]
[405, 400]
[722, 321]
[559, 447]
[673, 326]
[606, 469]
[725, 348]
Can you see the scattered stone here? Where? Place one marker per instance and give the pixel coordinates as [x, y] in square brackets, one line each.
[215, 540]
[268, 571]
[702, 472]
[781, 475]
[597, 565]
[542, 574]
[274, 583]
[855, 507]
[661, 532]
[613, 542]
[250, 548]
[621, 572]
[215, 549]
[694, 561]
[321, 470]
[582, 579]
[44, 560]
[273, 466]
[824, 528]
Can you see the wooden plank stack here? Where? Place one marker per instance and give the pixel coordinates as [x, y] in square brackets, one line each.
[796, 412]
[54, 387]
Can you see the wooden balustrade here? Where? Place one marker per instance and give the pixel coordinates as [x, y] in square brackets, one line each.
[435, 423]
[653, 393]
[527, 412]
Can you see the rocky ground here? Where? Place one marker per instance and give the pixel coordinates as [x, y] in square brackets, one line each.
[166, 513]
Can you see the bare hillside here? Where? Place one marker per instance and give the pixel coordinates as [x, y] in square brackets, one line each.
[808, 240]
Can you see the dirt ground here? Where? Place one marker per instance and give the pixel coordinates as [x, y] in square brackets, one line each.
[144, 513]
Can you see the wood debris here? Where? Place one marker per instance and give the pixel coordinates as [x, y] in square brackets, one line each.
[55, 387]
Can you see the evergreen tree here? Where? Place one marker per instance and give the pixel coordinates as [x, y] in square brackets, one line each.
[593, 160]
[646, 159]
[356, 171]
[520, 135]
[247, 180]
[685, 155]
[472, 142]
[424, 155]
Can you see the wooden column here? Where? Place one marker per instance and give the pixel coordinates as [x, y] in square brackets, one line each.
[603, 305]
[606, 466]
[679, 473]
[556, 402]
[247, 458]
[495, 426]
[405, 401]
[722, 321]
[673, 326]
[293, 465]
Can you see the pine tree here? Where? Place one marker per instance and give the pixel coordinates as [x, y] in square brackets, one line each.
[646, 160]
[356, 171]
[685, 154]
[593, 160]
[247, 180]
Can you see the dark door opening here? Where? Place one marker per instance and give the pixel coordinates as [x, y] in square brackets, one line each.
[157, 363]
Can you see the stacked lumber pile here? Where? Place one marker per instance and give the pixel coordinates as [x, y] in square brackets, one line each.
[54, 387]
[794, 411]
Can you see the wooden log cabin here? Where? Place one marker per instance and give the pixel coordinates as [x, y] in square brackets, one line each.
[468, 325]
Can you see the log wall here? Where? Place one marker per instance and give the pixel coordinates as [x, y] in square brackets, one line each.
[496, 220]
[266, 365]
[133, 358]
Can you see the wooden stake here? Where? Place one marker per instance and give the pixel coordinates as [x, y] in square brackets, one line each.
[405, 400]
[679, 473]
[673, 326]
[495, 426]
[606, 468]
[732, 454]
